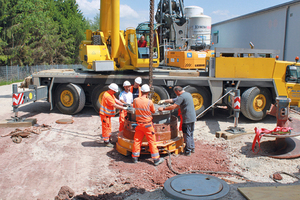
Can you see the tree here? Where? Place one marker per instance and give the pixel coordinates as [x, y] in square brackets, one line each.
[40, 32]
[94, 24]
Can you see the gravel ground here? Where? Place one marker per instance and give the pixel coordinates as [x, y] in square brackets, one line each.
[71, 155]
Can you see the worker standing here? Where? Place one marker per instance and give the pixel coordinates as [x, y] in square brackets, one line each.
[184, 101]
[107, 110]
[143, 110]
[126, 98]
[136, 89]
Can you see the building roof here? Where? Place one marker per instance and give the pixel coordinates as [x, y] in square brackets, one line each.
[260, 12]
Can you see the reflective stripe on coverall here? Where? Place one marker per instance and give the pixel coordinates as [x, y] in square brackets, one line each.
[106, 112]
[143, 108]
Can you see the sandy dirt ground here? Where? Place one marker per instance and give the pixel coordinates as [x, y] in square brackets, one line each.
[73, 155]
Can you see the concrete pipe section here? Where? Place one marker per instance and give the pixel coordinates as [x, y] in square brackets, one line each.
[168, 138]
[195, 186]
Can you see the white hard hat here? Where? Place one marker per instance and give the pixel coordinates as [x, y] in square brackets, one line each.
[114, 87]
[145, 88]
[138, 80]
[126, 83]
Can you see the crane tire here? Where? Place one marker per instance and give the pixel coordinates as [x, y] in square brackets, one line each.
[255, 102]
[201, 98]
[69, 98]
[160, 93]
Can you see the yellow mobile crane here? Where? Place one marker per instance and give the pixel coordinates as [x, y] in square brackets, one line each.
[111, 49]
[112, 55]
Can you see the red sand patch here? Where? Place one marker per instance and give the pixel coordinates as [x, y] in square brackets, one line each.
[145, 175]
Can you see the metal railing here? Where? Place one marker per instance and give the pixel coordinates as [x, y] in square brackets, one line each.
[16, 73]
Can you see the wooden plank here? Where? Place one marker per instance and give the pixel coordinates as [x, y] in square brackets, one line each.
[291, 192]
[227, 136]
[25, 123]
[178, 73]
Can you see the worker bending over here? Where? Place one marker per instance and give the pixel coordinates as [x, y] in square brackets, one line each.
[126, 98]
[143, 111]
[136, 89]
[184, 101]
[107, 110]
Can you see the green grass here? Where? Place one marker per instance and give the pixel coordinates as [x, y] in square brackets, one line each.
[9, 82]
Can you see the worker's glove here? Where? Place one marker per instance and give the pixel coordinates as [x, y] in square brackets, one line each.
[161, 102]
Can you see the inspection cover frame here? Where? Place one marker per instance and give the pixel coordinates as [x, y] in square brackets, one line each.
[195, 186]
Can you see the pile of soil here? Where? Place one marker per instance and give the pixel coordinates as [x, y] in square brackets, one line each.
[144, 176]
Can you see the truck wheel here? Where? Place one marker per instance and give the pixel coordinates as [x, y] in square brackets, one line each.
[255, 102]
[97, 94]
[69, 98]
[201, 98]
[159, 94]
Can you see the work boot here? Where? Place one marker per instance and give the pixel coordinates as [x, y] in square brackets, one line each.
[187, 153]
[134, 159]
[108, 144]
[193, 151]
[158, 161]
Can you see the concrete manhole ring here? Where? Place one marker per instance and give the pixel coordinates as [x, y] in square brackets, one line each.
[195, 186]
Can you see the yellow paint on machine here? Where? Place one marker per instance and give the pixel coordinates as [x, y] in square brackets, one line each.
[187, 59]
[229, 67]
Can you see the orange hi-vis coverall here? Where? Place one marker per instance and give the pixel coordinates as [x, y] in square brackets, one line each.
[140, 92]
[122, 115]
[143, 109]
[179, 114]
[107, 110]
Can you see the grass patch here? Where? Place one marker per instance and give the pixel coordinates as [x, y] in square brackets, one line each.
[9, 82]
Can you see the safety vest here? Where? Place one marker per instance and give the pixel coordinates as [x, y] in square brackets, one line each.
[140, 92]
[105, 107]
[142, 107]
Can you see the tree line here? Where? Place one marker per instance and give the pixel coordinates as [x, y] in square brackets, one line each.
[35, 32]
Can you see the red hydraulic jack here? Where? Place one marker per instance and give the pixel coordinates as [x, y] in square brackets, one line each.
[285, 145]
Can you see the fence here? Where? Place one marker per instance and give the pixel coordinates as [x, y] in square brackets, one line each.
[16, 73]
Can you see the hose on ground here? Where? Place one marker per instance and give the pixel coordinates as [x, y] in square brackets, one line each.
[204, 172]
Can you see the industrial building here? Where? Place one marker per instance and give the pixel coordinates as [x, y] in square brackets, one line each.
[275, 28]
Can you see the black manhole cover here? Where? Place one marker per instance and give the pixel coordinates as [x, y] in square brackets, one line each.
[195, 186]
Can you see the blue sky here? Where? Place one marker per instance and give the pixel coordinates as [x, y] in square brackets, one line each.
[133, 12]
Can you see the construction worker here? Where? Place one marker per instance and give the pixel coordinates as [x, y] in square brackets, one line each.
[184, 101]
[136, 89]
[143, 109]
[127, 98]
[107, 110]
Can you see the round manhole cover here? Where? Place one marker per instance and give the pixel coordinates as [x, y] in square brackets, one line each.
[195, 186]
[64, 121]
